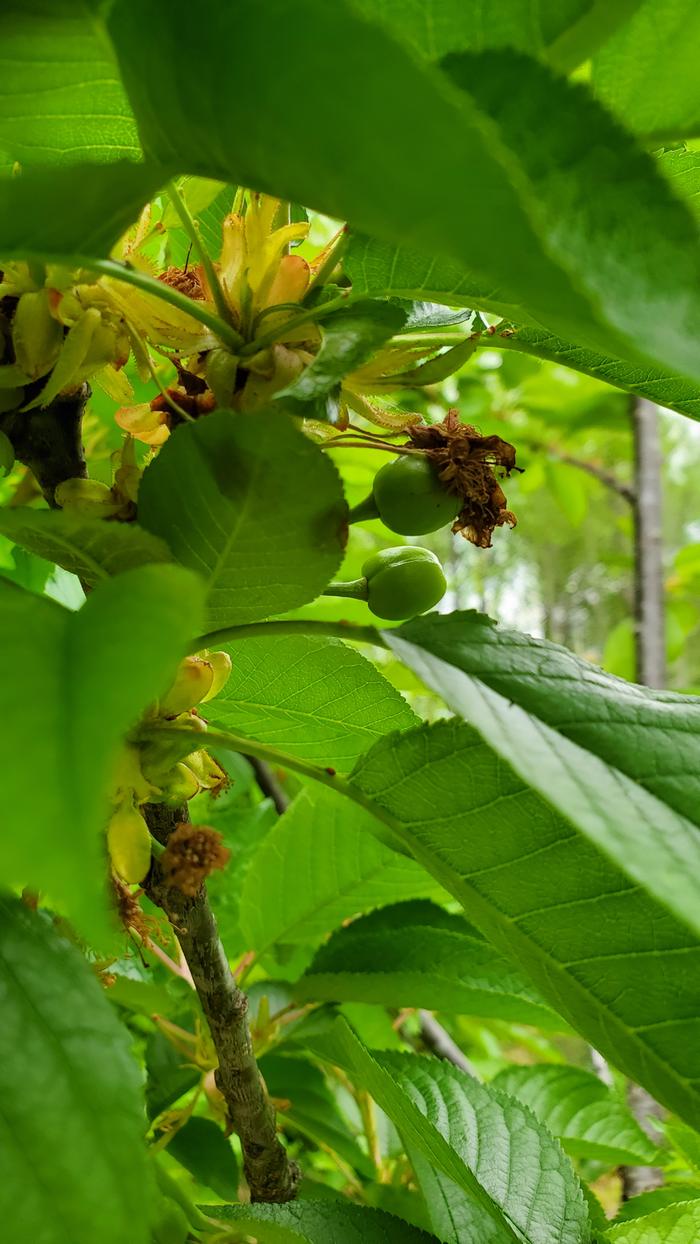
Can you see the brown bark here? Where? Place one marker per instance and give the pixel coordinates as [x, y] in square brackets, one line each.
[49, 441]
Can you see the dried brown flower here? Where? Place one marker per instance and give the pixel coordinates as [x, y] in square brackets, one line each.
[192, 853]
[130, 914]
[187, 281]
[464, 461]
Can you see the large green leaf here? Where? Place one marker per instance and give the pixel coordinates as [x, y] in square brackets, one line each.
[611, 958]
[656, 846]
[397, 959]
[378, 268]
[541, 195]
[316, 698]
[666, 389]
[582, 1112]
[649, 735]
[168, 1072]
[565, 32]
[647, 73]
[319, 1222]
[251, 504]
[58, 214]
[88, 547]
[519, 1184]
[71, 1142]
[677, 1224]
[319, 865]
[72, 684]
[201, 1147]
[61, 100]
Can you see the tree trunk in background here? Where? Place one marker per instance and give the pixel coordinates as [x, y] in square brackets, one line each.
[650, 633]
[650, 622]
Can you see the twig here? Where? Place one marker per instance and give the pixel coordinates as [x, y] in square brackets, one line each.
[270, 1174]
[606, 478]
[440, 1042]
[269, 784]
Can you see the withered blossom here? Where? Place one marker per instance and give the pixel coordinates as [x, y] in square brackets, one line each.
[464, 461]
[192, 853]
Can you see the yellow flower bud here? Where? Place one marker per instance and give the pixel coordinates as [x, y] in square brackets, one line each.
[208, 772]
[87, 496]
[179, 785]
[36, 336]
[129, 843]
[221, 666]
[129, 778]
[192, 682]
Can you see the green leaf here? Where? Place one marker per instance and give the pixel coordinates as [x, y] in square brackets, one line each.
[533, 209]
[677, 1224]
[519, 1184]
[350, 336]
[582, 1112]
[61, 101]
[378, 268]
[649, 840]
[402, 962]
[310, 1108]
[647, 734]
[659, 1198]
[88, 547]
[201, 1147]
[319, 865]
[316, 698]
[565, 32]
[686, 1140]
[71, 1143]
[604, 952]
[681, 168]
[72, 685]
[319, 1222]
[647, 73]
[429, 315]
[251, 504]
[169, 1074]
[65, 214]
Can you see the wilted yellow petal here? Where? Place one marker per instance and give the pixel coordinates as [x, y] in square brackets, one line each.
[145, 425]
[158, 321]
[232, 265]
[290, 282]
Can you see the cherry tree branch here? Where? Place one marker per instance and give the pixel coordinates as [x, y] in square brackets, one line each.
[271, 1176]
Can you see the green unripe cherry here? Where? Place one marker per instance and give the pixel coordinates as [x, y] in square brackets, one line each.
[403, 582]
[410, 498]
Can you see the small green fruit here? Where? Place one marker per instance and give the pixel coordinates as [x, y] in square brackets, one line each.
[410, 498]
[403, 582]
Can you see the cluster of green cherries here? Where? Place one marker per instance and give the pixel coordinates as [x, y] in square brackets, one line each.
[409, 498]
